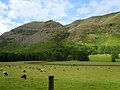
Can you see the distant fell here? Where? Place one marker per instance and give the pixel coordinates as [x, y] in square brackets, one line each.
[97, 30]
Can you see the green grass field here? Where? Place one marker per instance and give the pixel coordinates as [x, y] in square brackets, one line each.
[86, 78]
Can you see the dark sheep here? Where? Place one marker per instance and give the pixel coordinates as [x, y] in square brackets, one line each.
[24, 71]
[77, 68]
[42, 70]
[24, 76]
[39, 69]
[63, 69]
[108, 67]
[5, 73]
[20, 67]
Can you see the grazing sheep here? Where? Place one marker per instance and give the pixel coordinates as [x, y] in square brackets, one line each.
[24, 76]
[5, 73]
[63, 69]
[41, 70]
[20, 67]
[24, 71]
[108, 67]
[77, 68]
[1, 69]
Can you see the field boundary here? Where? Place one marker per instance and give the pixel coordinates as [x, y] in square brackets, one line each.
[47, 63]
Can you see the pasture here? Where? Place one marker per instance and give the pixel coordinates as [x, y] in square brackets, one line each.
[69, 75]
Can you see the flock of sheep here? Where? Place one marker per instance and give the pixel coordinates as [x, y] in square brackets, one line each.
[5, 73]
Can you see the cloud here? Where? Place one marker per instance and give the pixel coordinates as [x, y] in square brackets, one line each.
[3, 28]
[3, 8]
[98, 7]
[38, 9]
[15, 12]
[6, 24]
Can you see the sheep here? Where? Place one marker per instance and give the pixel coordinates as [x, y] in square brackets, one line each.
[24, 71]
[24, 76]
[20, 67]
[63, 69]
[77, 68]
[108, 67]
[1, 69]
[5, 73]
[41, 70]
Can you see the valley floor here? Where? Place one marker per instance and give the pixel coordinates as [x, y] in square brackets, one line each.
[96, 74]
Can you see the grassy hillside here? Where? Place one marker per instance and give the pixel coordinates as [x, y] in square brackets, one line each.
[35, 36]
[100, 30]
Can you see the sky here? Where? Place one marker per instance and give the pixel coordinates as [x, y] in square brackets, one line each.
[14, 13]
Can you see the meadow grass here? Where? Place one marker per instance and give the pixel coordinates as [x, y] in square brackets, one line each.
[86, 78]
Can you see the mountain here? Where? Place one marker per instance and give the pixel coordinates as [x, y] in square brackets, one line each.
[35, 36]
[33, 32]
[100, 30]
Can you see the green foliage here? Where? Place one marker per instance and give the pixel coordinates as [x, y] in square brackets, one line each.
[115, 55]
[81, 56]
[70, 57]
[52, 41]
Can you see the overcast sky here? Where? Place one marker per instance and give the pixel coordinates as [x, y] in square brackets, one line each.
[17, 12]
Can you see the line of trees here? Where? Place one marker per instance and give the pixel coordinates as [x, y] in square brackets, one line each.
[61, 53]
[54, 54]
[102, 49]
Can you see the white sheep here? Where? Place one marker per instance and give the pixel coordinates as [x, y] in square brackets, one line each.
[1, 69]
